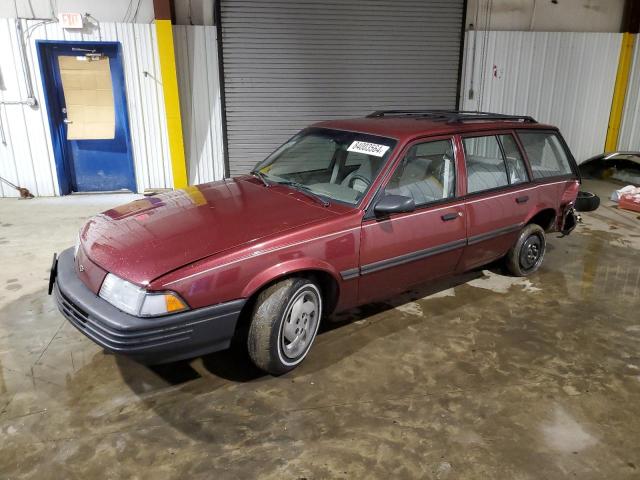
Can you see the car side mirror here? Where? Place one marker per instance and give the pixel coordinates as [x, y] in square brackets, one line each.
[394, 204]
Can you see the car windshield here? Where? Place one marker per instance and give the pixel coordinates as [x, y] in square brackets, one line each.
[329, 164]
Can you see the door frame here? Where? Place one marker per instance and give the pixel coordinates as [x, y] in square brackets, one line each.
[52, 88]
[369, 218]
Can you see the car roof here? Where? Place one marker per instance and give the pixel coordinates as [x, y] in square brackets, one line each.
[410, 125]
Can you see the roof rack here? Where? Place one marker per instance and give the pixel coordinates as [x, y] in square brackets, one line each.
[452, 116]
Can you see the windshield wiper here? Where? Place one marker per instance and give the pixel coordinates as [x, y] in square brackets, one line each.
[261, 176]
[306, 190]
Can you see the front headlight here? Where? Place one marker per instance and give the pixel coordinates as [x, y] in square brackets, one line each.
[137, 301]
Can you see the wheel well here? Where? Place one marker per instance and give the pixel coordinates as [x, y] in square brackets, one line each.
[545, 218]
[328, 287]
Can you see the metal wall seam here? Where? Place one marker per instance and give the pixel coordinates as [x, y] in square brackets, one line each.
[196, 59]
[143, 40]
[28, 160]
[139, 136]
[630, 127]
[43, 160]
[167, 173]
[7, 157]
[562, 78]
[217, 145]
[16, 123]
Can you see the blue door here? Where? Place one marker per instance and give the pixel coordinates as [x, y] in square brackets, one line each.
[86, 101]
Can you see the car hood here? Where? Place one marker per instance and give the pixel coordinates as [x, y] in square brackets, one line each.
[145, 239]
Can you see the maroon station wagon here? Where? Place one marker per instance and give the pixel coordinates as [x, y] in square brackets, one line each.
[345, 213]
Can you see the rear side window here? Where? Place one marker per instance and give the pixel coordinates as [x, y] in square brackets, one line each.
[486, 168]
[546, 154]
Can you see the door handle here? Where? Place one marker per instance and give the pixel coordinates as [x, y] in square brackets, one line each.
[451, 216]
[67, 121]
[523, 199]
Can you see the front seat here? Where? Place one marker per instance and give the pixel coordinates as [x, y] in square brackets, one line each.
[367, 169]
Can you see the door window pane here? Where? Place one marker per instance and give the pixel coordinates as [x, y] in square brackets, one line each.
[485, 165]
[515, 164]
[427, 173]
[88, 97]
[547, 156]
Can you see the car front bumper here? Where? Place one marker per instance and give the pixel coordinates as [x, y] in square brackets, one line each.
[148, 340]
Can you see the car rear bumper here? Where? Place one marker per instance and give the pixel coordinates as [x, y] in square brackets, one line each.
[147, 340]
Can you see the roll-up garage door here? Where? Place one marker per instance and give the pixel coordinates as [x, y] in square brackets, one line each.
[289, 63]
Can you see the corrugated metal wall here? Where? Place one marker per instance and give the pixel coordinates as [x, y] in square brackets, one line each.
[289, 63]
[26, 156]
[197, 62]
[630, 128]
[565, 79]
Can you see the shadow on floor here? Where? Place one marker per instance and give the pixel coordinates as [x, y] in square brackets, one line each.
[234, 364]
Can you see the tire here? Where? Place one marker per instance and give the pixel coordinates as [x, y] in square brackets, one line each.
[587, 202]
[284, 324]
[526, 255]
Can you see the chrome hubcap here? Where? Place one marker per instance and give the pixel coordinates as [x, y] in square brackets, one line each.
[300, 321]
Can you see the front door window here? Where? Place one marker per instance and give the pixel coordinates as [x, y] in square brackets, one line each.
[427, 173]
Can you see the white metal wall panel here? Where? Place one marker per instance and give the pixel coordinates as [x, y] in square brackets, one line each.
[288, 63]
[27, 156]
[564, 79]
[630, 128]
[198, 81]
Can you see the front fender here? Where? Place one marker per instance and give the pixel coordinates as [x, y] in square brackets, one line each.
[287, 268]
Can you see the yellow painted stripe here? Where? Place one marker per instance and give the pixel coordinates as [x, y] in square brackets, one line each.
[619, 92]
[164, 36]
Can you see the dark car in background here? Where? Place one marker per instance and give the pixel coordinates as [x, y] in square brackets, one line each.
[345, 213]
[620, 167]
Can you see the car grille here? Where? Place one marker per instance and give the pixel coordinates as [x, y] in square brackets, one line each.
[70, 310]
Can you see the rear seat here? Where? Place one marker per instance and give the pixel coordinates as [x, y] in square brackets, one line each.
[483, 175]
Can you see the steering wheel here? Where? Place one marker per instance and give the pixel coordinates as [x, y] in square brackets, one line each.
[357, 176]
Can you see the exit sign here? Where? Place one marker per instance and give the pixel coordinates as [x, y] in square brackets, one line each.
[71, 20]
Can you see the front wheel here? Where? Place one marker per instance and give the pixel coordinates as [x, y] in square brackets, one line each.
[284, 324]
[526, 255]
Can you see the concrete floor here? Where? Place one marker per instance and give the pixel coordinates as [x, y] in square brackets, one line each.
[481, 376]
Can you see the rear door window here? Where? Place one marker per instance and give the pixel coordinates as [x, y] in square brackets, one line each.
[546, 154]
[486, 168]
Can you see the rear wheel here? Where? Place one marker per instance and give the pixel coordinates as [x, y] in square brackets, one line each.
[284, 324]
[526, 255]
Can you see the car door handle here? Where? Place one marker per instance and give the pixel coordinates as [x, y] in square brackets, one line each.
[450, 216]
[523, 199]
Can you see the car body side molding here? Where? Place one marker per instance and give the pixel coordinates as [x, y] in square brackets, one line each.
[494, 233]
[427, 252]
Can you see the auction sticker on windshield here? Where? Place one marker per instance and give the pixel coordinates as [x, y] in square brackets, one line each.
[368, 148]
